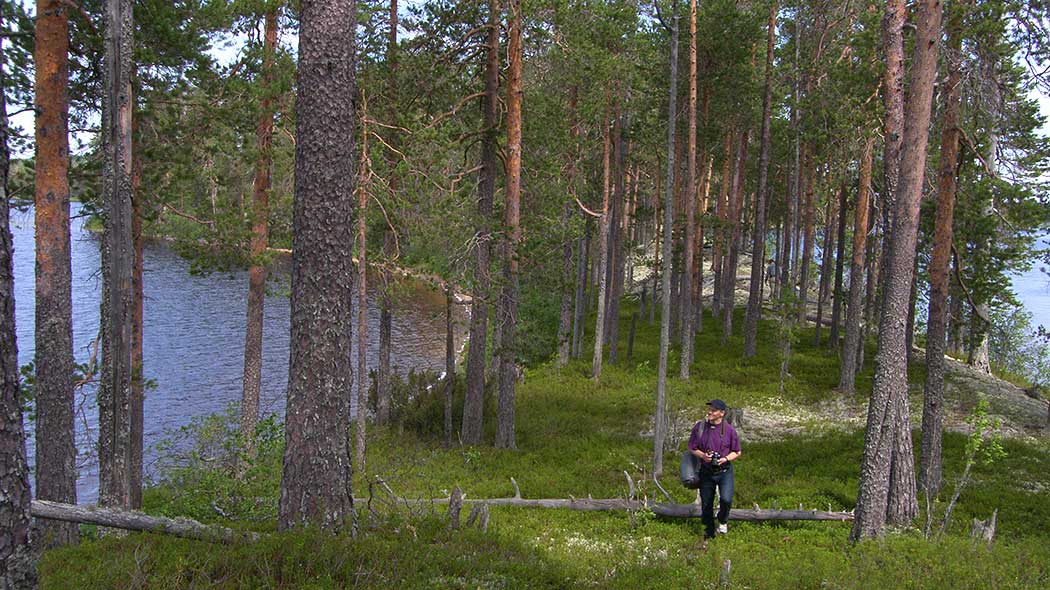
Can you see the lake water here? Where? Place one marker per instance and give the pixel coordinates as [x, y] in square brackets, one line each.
[193, 343]
[1033, 289]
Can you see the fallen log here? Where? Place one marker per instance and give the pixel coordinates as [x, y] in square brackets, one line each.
[751, 514]
[661, 508]
[137, 521]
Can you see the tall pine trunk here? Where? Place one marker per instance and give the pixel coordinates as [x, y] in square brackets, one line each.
[808, 231]
[616, 241]
[735, 232]
[361, 303]
[474, 402]
[889, 393]
[17, 562]
[830, 231]
[660, 418]
[758, 243]
[114, 392]
[316, 477]
[580, 305]
[840, 254]
[568, 284]
[602, 261]
[855, 309]
[386, 308]
[508, 374]
[450, 365]
[138, 385]
[690, 201]
[253, 332]
[721, 217]
[937, 323]
[55, 447]
[893, 124]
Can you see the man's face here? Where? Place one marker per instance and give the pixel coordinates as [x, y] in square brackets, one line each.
[714, 413]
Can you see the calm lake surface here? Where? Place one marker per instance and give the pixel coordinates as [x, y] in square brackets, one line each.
[193, 344]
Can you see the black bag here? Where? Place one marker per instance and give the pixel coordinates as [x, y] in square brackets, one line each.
[689, 471]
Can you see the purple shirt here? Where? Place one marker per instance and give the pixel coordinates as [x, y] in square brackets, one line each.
[711, 437]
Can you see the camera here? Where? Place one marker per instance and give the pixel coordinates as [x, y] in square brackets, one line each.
[714, 466]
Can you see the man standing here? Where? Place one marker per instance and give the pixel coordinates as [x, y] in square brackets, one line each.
[716, 443]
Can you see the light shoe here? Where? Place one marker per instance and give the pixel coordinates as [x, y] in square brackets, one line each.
[723, 529]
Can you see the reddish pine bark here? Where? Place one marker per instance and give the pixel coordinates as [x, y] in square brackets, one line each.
[260, 213]
[55, 452]
[855, 309]
[937, 323]
[889, 393]
[508, 374]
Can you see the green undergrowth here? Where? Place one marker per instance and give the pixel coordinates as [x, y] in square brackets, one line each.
[576, 438]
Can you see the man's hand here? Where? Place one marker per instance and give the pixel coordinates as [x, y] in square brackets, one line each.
[721, 461]
[706, 458]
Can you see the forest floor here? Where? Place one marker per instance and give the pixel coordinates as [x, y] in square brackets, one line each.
[576, 438]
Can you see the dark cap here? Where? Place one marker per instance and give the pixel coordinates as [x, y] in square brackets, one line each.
[717, 404]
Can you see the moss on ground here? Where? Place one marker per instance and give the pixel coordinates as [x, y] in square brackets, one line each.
[577, 437]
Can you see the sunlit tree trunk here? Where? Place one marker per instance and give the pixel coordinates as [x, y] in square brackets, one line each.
[316, 477]
[508, 374]
[940, 261]
[53, 359]
[260, 214]
[889, 393]
[855, 309]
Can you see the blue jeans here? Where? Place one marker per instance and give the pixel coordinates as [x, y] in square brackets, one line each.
[724, 482]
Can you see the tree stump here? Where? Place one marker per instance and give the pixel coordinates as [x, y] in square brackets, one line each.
[455, 504]
[984, 529]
